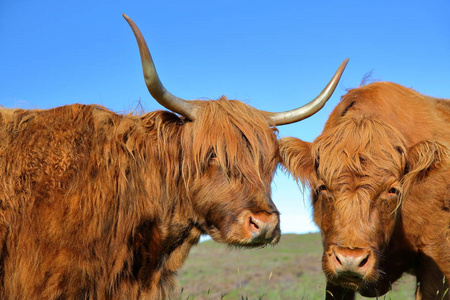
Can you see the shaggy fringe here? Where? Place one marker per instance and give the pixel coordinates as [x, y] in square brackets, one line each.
[361, 146]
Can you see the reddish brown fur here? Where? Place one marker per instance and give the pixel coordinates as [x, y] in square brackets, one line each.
[380, 180]
[96, 205]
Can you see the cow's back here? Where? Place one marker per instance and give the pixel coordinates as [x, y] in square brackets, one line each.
[58, 180]
[47, 152]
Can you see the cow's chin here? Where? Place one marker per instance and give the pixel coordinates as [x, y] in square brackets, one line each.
[250, 230]
[368, 289]
[366, 285]
[243, 241]
[347, 284]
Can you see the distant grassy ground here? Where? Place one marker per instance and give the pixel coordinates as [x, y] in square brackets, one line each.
[289, 270]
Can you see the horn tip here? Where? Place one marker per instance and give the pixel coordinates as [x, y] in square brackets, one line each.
[345, 62]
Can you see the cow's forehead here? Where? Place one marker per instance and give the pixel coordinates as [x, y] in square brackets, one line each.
[232, 121]
[359, 153]
[359, 137]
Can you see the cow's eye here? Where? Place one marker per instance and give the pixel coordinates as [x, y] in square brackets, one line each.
[212, 158]
[321, 188]
[393, 191]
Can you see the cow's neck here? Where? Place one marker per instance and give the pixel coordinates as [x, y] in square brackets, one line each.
[163, 245]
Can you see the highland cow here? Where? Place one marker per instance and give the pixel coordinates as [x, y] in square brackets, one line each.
[380, 186]
[97, 205]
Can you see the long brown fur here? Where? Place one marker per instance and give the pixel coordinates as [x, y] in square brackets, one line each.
[96, 205]
[380, 180]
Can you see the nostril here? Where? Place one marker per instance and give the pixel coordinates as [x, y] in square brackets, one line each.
[253, 224]
[364, 261]
[337, 258]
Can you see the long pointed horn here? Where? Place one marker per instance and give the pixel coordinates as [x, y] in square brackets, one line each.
[307, 110]
[154, 85]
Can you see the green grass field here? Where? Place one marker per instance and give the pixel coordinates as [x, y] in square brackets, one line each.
[289, 270]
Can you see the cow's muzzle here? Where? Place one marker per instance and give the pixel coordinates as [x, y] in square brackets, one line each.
[351, 266]
[263, 227]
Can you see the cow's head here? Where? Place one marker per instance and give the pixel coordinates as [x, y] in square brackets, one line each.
[359, 172]
[231, 154]
[228, 153]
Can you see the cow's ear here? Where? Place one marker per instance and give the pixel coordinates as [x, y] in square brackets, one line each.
[297, 158]
[426, 157]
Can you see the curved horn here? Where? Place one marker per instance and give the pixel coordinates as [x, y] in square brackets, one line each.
[307, 110]
[154, 85]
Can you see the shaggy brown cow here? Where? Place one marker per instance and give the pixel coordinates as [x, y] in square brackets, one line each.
[96, 205]
[380, 180]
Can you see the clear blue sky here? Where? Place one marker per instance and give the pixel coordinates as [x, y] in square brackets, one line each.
[274, 55]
